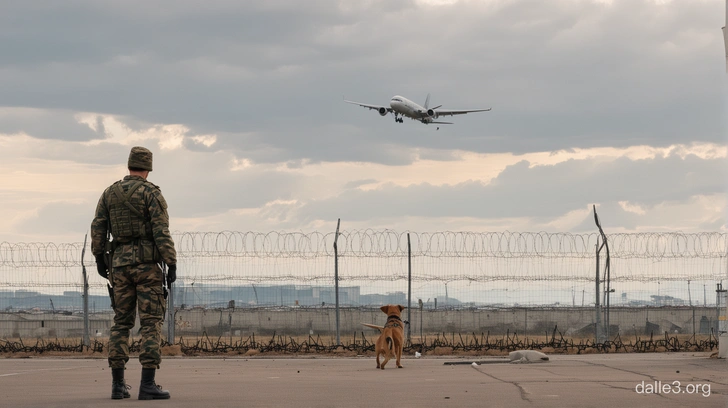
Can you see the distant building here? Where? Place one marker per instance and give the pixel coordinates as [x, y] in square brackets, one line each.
[263, 295]
[666, 301]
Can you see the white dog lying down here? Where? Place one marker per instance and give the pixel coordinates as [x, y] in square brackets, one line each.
[527, 356]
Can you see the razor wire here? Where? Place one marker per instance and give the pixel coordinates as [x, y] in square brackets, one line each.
[541, 267]
[389, 243]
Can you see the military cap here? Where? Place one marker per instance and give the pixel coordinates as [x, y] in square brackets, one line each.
[141, 158]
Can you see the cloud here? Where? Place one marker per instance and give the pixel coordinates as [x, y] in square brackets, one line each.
[613, 103]
[542, 193]
[359, 183]
[58, 219]
[559, 74]
[552, 190]
[48, 124]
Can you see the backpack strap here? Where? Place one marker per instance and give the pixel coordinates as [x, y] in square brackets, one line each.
[125, 197]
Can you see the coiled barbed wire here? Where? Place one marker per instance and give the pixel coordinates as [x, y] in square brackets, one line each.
[40, 254]
[389, 243]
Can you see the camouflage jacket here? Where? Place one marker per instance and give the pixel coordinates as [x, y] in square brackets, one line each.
[139, 226]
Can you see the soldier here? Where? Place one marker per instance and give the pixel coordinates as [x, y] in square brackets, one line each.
[133, 213]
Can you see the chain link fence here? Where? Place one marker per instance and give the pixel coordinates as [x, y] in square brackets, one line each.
[237, 284]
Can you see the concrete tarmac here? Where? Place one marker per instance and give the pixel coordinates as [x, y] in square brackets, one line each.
[594, 380]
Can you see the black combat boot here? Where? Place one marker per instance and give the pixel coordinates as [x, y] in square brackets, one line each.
[149, 389]
[119, 389]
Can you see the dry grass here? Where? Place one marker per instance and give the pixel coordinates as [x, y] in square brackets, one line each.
[356, 345]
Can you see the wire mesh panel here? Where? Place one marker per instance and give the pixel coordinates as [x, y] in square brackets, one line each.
[245, 282]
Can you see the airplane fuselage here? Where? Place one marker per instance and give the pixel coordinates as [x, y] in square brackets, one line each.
[405, 107]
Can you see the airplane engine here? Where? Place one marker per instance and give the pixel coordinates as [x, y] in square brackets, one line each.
[382, 111]
[431, 113]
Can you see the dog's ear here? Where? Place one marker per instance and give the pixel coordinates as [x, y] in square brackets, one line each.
[401, 308]
[385, 309]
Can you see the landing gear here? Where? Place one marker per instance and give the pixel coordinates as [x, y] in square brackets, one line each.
[398, 119]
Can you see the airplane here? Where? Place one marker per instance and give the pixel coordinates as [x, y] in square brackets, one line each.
[401, 107]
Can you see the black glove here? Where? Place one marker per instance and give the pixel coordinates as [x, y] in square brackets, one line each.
[171, 274]
[101, 267]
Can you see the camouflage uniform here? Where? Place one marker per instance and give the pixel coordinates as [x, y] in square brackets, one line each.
[141, 240]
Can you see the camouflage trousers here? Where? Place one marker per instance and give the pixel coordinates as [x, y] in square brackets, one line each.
[138, 286]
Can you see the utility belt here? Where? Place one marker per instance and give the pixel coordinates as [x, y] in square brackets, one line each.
[136, 251]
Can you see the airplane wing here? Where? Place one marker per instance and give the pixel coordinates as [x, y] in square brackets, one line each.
[443, 112]
[375, 107]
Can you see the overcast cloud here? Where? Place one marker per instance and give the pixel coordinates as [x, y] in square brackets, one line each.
[619, 104]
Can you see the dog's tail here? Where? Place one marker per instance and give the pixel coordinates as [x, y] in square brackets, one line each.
[390, 343]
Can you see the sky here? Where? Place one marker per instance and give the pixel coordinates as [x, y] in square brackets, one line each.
[616, 104]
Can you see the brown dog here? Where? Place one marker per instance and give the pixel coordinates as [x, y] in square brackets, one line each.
[391, 342]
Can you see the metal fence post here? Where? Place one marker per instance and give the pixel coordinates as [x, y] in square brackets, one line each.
[336, 281]
[409, 290]
[597, 309]
[86, 338]
[607, 279]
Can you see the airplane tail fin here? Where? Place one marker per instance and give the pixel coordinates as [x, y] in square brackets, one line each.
[427, 101]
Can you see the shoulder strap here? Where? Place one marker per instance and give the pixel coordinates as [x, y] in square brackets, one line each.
[125, 197]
